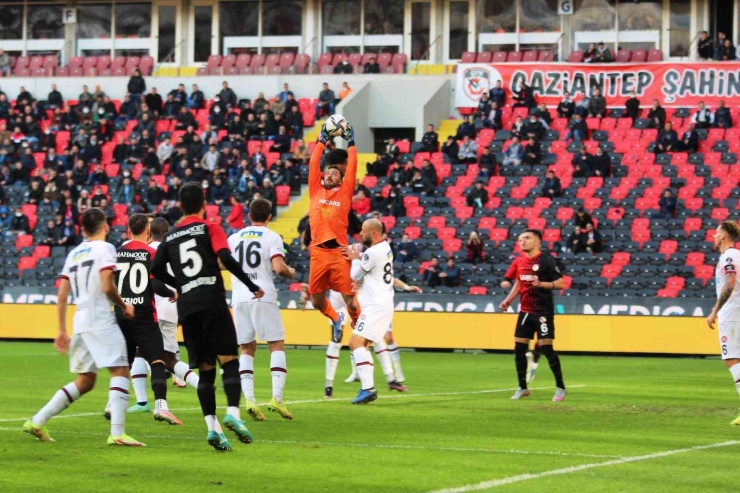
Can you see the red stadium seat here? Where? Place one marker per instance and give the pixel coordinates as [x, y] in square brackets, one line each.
[468, 57]
[478, 291]
[576, 56]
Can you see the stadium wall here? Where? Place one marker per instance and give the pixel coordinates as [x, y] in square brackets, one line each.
[583, 333]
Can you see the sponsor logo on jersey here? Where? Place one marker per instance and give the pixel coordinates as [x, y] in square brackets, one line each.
[729, 268]
[543, 320]
[201, 281]
[141, 256]
[250, 234]
[527, 277]
[194, 230]
[333, 203]
[724, 339]
[80, 254]
[536, 267]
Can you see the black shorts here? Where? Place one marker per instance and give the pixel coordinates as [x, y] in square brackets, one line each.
[529, 324]
[209, 333]
[143, 335]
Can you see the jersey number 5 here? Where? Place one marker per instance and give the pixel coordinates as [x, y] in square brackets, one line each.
[191, 260]
[250, 255]
[137, 281]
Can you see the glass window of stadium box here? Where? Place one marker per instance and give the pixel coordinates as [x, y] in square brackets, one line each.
[31, 28]
[518, 26]
[458, 27]
[113, 27]
[620, 24]
[375, 26]
[260, 26]
[168, 32]
[680, 28]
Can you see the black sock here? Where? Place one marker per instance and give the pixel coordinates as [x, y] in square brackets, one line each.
[232, 383]
[536, 354]
[554, 361]
[207, 392]
[159, 381]
[520, 358]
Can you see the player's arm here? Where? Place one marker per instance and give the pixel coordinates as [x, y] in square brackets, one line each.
[350, 175]
[108, 283]
[160, 289]
[158, 267]
[220, 244]
[399, 284]
[511, 297]
[314, 165]
[730, 274]
[552, 272]
[61, 342]
[281, 268]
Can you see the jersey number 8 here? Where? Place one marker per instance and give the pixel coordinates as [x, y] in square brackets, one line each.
[388, 273]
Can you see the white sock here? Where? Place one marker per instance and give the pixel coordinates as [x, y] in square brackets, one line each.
[396, 359]
[246, 374]
[352, 363]
[138, 378]
[364, 367]
[332, 361]
[118, 398]
[735, 370]
[213, 424]
[279, 371]
[535, 365]
[58, 403]
[384, 358]
[160, 405]
[184, 373]
[234, 411]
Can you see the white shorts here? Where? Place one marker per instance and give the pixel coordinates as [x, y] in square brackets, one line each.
[337, 302]
[374, 323]
[256, 320]
[90, 351]
[729, 340]
[169, 336]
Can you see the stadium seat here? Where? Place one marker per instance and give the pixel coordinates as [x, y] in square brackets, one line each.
[468, 57]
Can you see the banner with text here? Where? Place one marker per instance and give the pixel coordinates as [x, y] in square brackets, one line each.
[674, 84]
[570, 305]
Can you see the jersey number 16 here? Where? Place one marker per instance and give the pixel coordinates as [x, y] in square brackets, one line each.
[250, 254]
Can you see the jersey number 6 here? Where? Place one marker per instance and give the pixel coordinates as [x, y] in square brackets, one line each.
[251, 255]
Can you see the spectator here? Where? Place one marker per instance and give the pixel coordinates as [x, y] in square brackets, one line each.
[543, 115]
[689, 140]
[406, 249]
[343, 67]
[430, 277]
[418, 186]
[727, 52]
[703, 118]
[494, 117]
[722, 116]
[718, 45]
[577, 130]
[487, 160]
[705, 47]
[601, 164]
[19, 224]
[154, 101]
[391, 152]
[498, 95]
[597, 105]
[667, 204]
[19, 175]
[371, 67]
[49, 238]
[656, 116]
[85, 99]
[468, 151]
[667, 139]
[430, 140]
[576, 241]
[83, 201]
[136, 87]
[594, 243]
[110, 214]
[219, 191]
[54, 99]
[552, 187]
[533, 127]
[524, 97]
[281, 141]
[518, 128]
[196, 100]
[465, 129]
[184, 120]
[582, 163]
[583, 218]
[632, 106]
[4, 63]
[361, 204]
[227, 95]
[164, 151]
[153, 195]
[66, 235]
[325, 102]
[268, 193]
[98, 176]
[532, 152]
[478, 196]
[484, 108]
[394, 205]
[180, 95]
[171, 108]
[379, 168]
[235, 219]
[602, 54]
[450, 277]
[566, 107]
[428, 176]
[475, 249]
[126, 192]
[514, 153]
[590, 53]
[294, 120]
[92, 152]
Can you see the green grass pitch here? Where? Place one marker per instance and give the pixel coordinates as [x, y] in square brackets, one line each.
[455, 428]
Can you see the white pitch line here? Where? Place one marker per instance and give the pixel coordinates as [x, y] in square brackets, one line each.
[317, 401]
[361, 445]
[567, 470]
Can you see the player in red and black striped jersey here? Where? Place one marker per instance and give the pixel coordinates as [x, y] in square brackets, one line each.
[136, 287]
[535, 276]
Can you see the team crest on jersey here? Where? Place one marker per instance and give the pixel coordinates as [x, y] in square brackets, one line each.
[365, 258]
[362, 317]
[80, 254]
[724, 339]
[250, 234]
[543, 320]
[536, 267]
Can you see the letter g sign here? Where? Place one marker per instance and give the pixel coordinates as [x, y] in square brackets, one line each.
[565, 7]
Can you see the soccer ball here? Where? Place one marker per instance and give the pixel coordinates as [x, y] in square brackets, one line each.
[336, 125]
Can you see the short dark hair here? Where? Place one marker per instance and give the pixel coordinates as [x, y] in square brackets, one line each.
[137, 223]
[260, 210]
[731, 228]
[92, 220]
[191, 198]
[535, 232]
[159, 228]
[338, 156]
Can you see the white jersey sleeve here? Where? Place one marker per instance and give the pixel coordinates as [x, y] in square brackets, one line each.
[165, 310]
[376, 286]
[729, 263]
[253, 248]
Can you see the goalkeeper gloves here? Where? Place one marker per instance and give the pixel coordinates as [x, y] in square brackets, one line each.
[349, 134]
[324, 136]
